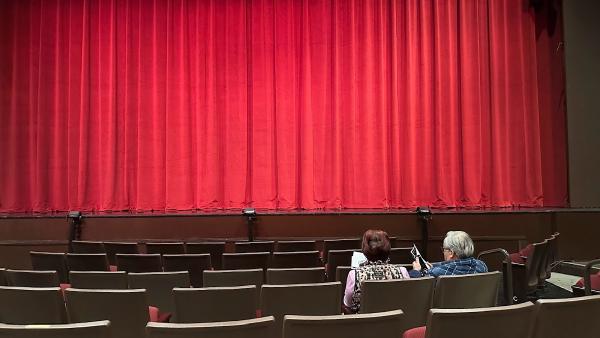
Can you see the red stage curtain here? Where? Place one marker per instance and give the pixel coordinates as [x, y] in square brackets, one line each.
[278, 104]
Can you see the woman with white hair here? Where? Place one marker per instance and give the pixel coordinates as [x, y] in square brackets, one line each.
[458, 251]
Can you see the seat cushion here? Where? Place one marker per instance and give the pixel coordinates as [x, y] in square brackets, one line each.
[157, 316]
[517, 257]
[417, 332]
[595, 281]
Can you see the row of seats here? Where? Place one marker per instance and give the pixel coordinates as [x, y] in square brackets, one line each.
[197, 263]
[128, 309]
[217, 248]
[558, 318]
[116, 279]
[532, 265]
[170, 292]
[160, 284]
[210, 246]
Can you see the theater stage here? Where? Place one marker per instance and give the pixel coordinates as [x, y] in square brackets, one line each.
[508, 228]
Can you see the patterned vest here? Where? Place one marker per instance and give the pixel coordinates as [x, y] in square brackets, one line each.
[377, 270]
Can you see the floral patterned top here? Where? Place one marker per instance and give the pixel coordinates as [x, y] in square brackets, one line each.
[376, 270]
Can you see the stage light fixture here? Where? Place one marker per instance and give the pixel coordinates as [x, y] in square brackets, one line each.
[424, 214]
[75, 218]
[250, 214]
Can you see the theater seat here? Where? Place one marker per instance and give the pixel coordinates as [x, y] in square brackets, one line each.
[296, 276]
[127, 310]
[249, 328]
[98, 279]
[595, 282]
[580, 289]
[32, 278]
[24, 305]
[569, 317]
[414, 296]
[492, 322]
[159, 287]
[99, 329]
[215, 304]
[381, 324]
[456, 291]
[317, 299]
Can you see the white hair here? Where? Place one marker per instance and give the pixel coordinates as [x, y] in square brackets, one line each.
[460, 243]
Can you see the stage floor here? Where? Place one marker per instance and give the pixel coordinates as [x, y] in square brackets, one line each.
[295, 212]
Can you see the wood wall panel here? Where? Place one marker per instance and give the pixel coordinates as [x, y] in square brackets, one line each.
[579, 235]
[580, 229]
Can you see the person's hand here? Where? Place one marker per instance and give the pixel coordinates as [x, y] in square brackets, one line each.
[416, 266]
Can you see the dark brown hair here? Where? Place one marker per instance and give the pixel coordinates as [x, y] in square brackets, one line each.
[376, 245]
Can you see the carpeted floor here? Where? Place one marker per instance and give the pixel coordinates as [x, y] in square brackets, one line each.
[562, 280]
[557, 286]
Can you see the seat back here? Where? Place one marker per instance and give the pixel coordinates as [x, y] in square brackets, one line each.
[99, 329]
[337, 258]
[249, 328]
[127, 310]
[215, 304]
[219, 278]
[50, 261]
[250, 260]
[233, 277]
[341, 275]
[139, 262]
[384, 324]
[87, 262]
[414, 296]
[115, 280]
[401, 256]
[215, 249]
[286, 246]
[23, 305]
[114, 248]
[173, 248]
[457, 292]
[295, 276]
[495, 322]
[499, 259]
[529, 273]
[300, 299]
[353, 244]
[87, 247]
[195, 264]
[255, 246]
[551, 255]
[296, 259]
[32, 278]
[570, 317]
[159, 287]
[535, 266]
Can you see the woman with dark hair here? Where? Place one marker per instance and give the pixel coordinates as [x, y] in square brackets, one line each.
[376, 247]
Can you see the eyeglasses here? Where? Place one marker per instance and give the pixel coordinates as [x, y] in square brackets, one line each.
[444, 249]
